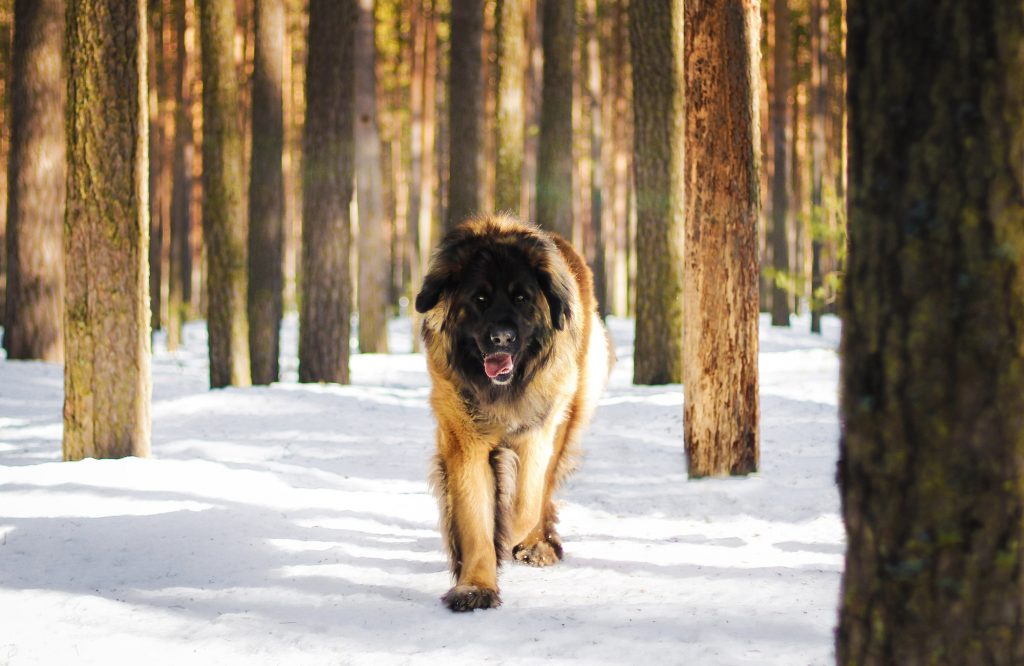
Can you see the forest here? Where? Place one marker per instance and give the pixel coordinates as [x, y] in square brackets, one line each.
[744, 179]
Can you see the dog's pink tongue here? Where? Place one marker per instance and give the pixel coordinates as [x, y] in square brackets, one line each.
[497, 364]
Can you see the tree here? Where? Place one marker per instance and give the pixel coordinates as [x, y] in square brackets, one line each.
[656, 42]
[180, 260]
[780, 183]
[106, 325]
[36, 175]
[818, 111]
[373, 247]
[722, 203]
[266, 193]
[510, 124]
[554, 151]
[327, 183]
[223, 207]
[933, 331]
[465, 110]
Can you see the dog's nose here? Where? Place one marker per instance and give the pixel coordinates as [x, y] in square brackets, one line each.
[502, 335]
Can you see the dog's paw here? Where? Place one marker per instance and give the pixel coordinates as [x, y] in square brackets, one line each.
[462, 598]
[539, 554]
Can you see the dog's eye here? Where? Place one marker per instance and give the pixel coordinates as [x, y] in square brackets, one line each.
[519, 298]
[481, 299]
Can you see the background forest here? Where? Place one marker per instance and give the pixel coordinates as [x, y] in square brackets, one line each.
[422, 122]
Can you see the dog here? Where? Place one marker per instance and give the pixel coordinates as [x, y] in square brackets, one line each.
[518, 357]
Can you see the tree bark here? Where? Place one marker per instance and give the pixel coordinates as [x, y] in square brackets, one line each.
[554, 151]
[722, 204]
[223, 204]
[656, 42]
[373, 247]
[266, 193]
[36, 183]
[933, 336]
[465, 111]
[597, 180]
[106, 326]
[780, 158]
[180, 261]
[510, 124]
[327, 170]
[818, 112]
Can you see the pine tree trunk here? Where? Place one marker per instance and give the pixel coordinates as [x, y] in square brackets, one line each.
[818, 111]
[374, 267]
[656, 42]
[106, 325]
[554, 151]
[156, 157]
[780, 185]
[180, 261]
[511, 122]
[36, 175]
[933, 336]
[720, 296]
[465, 111]
[597, 180]
[223, 204]
[327, 171]
[266, 193]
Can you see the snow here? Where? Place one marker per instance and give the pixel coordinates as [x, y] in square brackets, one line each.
[292, 525]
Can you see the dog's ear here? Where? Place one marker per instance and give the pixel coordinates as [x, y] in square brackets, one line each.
[434, 285]
[558, 294]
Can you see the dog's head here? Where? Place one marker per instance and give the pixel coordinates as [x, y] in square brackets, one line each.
[500, 291]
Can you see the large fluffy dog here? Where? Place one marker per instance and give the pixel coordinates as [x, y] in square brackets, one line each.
[518, 356]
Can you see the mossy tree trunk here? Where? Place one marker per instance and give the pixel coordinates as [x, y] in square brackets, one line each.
[374, 254]
[933, 336]
[465, 110]
[106, 325]
[656, 44]
[266, 193]
[780, 158]
[36, 181]
[720, 421]
[510, 124]
[223, 202]
[554, 149]
[327, 173]
[180, 260]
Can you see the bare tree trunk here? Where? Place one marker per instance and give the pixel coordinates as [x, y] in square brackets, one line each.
[6, 33]
[266, 193]
[327, 173]
[720, 296]
[656, 42]
[819, 111]
[465, 111]
[107, 373]
[373, 248]
[554, 152]
[511, 121]
[223, 203]
[597, 181]
[156, 157]
[180, 261]
[36, 175]
[932, 386]
[780, 184]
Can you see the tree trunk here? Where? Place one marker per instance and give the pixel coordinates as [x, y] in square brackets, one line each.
[36, 175]
[554, 151]
[106, 325]
[180, 263]
[373, 247]
[722, 205]
[511, 121]
[266, 193]
[597, 212]
[156, 157]
[933, 332]
[780, 185]
[818, 112]
[656, 41]
[223, 204]
[465, 111]
[327, 173]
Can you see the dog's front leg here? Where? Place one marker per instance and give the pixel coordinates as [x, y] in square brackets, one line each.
[465, 486]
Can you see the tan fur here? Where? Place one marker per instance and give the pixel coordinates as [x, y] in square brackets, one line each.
[531, 442]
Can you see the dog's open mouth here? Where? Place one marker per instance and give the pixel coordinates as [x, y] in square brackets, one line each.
[499, 367]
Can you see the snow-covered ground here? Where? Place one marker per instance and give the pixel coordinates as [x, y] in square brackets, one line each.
[292, 525]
